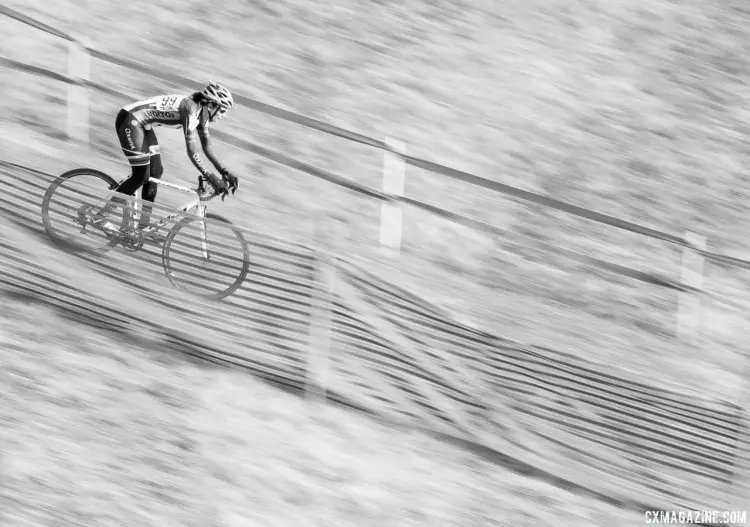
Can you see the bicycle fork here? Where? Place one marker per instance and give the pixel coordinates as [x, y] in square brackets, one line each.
[203, 228]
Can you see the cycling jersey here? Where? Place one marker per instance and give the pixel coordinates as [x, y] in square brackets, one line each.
[172, 111]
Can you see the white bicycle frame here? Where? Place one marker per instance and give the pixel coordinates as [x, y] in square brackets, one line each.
[198, 204]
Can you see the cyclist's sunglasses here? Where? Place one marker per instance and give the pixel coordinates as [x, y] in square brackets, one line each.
[218, 113]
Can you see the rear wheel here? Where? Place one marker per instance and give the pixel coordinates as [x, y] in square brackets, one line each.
[206, 256]
[69, 208]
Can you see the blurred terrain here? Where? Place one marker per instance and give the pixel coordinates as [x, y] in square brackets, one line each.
[633, 109]
[103, 428]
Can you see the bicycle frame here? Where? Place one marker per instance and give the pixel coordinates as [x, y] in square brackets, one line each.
[199, 204]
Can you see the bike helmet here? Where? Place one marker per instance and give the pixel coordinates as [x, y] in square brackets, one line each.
[219, 94]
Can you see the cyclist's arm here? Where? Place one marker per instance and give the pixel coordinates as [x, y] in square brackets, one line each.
[192, 142]
[205, 139]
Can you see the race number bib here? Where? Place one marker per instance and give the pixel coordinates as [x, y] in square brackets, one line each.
[167, 103]
[163, 110]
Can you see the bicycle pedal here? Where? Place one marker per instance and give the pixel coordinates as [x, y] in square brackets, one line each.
[152, 235]
[109, 229]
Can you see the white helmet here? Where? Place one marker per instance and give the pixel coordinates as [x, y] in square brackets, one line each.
[219, 94]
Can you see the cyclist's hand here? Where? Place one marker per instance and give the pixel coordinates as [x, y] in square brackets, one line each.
[230, 180]
[218, 185]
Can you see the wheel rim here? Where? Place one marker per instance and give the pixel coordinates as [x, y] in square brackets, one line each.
[188, 269]
[69, 207]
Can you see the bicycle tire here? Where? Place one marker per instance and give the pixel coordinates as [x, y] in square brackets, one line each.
[56, 237]
[167, 259]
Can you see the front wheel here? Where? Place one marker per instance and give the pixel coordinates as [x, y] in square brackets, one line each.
[70, 205]
[209, 258]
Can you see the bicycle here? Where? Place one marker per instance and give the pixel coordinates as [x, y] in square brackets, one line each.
[85, 215]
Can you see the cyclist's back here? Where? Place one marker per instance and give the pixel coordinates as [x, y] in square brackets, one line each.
[172, 111]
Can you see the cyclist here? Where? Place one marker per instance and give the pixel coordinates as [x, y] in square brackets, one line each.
[193, 113]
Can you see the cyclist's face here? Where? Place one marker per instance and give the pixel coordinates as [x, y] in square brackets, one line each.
[215, 112]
